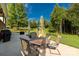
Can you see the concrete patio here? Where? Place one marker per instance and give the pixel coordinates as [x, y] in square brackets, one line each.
[12, 48]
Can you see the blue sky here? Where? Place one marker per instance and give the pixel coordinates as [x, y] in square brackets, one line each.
[35, 10]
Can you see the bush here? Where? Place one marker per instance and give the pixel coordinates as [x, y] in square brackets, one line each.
[78, 33]
[52, 30]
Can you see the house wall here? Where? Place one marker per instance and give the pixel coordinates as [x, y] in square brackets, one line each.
[2, 25]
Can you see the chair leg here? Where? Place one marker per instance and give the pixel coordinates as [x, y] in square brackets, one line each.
[55, 53]
[59, 52]
[22, 53]
[50, 51]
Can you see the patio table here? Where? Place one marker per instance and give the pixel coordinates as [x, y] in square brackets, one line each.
[40, 42]
[36, 41]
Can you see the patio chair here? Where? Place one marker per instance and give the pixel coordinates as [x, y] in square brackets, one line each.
[48, 36]
[27, 49]
[24, 47]
[54, 45]
[33, 35]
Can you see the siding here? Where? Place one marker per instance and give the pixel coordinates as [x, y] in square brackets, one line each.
[2, 25]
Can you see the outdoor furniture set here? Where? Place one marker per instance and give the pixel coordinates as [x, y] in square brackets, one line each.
[31, 45]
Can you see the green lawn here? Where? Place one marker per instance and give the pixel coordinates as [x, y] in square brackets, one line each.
[68, 39]
[71, 40]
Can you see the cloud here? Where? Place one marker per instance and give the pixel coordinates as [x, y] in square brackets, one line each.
[26, 5]
[30, 9]
[31, 18]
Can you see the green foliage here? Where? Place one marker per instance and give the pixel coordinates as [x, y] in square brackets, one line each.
[21, 15]
[12, 15]
[33, 24]
[56, 18]
[73, 16]
[20, 10]
[17, 15]
[22, 23]
[46, 23]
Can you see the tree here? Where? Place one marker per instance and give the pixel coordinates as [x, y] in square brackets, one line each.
[22, 23]
[17, 15]
[20, 10]
[21, 15]
[56, 18]
[12, 15]
[73, 16]
[46, 23]
[33, 24]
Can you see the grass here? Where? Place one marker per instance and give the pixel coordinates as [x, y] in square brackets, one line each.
[68, 39]
[33, 30]
[71, 40]
[16, 30]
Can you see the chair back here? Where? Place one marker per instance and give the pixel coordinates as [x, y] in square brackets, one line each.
[33, 35]
[25, 47]
[54, 43]
[58, 39]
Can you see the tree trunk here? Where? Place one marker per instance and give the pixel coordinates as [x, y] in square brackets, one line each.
[61, 27]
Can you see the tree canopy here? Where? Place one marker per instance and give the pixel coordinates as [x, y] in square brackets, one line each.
[12, 15]
[71, 14]
[33, 24]
[56, 17]
[17, 15]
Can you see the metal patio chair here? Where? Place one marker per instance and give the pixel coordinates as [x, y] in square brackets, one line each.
[25, 47]
[54, 45]
[28, 49]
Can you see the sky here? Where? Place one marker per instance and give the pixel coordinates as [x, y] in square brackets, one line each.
[35, 10]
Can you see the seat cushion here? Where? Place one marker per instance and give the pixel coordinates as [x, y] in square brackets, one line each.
[51, 47]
